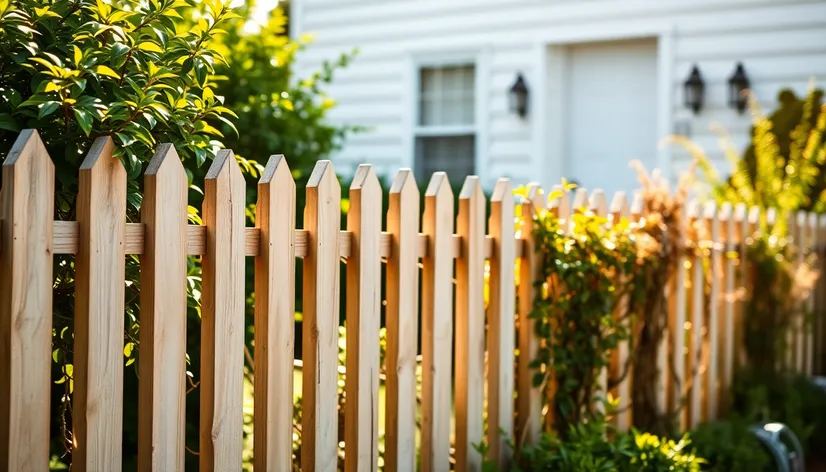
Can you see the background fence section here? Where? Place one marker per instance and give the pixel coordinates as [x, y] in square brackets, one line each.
[424, 251]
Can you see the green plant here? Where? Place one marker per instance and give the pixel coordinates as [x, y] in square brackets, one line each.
[795, 125]
[582, 260]
[729, 446]
[79, 70]
[145, 72]
[779, 174]
[793, 399]
[596, 446]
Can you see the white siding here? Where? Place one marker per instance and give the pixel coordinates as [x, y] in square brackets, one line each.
[782, 43]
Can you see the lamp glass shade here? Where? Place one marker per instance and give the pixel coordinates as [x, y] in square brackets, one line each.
[694, 90]
[518, 97]
[738, 84]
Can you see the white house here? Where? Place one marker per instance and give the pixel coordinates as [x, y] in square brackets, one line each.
[605, 78]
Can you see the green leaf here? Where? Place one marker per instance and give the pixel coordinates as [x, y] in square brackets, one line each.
[78, 56]
[150, 47]
[47, 109]
[14, 98]
[105, 70]
[117, 55]
[84, 119]
[7, 122]
[201, 73]
[125, 139]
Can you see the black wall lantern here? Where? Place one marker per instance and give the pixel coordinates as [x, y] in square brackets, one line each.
[738, 83]
[694, 90]
[518, 96]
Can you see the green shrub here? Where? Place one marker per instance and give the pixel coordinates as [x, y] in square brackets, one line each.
[595, 446]
[791, 399]
[729, 446]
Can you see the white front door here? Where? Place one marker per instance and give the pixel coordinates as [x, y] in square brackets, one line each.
[611, 115]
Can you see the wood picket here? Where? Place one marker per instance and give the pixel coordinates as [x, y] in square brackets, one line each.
[475, 359]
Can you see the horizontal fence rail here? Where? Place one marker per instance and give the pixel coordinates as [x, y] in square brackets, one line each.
[444, 274]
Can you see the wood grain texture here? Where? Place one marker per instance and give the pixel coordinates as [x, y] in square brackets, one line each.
[437, 325]
[402, 323]
[501, 326]
[619, 370]
[99, 302]
[741, 232]
[319, 440]
[162, 366]
[470, 326]
[694, 353]
[714, 330]
[26, 211]
[528, 397]
[66, 241]
[363, 320]
[727, 301]
[222, 317]
[274, 318]
[677, 336]
[598, 204]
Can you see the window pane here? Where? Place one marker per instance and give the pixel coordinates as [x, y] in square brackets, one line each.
[452, 154]
[447, 96]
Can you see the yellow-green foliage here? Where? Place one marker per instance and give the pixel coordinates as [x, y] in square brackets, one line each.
[781, 169]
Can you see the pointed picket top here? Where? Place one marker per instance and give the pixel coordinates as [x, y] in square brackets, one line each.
[710, 209]
[740, 212]
[277, 172]
[536, 196]
[754, 215]
[726, 212]
[405, 184]
[102, 147]
[166, 157]
[693, 209]
[822, 220]
[365, 179]
[471, 188]
[637, 205]
[580, 200]
[561, 205]
[322, 174]
[28, 147]
[619, 207]
[502, 191]
[598, 203]
[812, 220]
[224, 162]
[802, 218]
[439, 186]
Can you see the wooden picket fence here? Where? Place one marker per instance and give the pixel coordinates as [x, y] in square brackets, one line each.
[101, 238]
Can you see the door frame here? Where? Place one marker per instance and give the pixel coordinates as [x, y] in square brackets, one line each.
[551, 88]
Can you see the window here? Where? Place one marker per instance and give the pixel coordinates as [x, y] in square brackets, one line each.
[445, 131]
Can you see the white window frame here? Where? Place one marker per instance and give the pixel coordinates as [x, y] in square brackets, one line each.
[412, 89]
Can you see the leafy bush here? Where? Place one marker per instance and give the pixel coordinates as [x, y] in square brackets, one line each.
[582, 261]
[729, 446]
[792, 399]
[780, 171]
[595, 446]
[76, 71]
